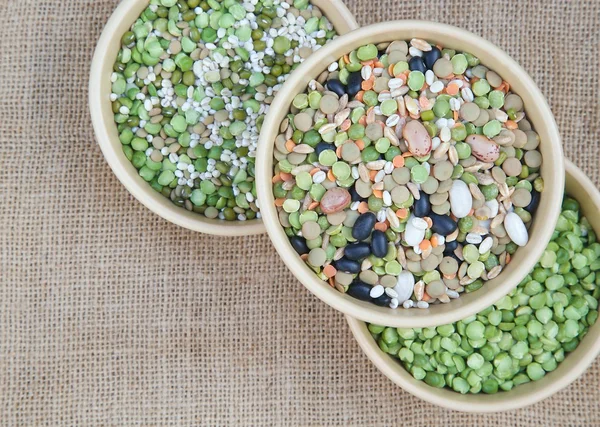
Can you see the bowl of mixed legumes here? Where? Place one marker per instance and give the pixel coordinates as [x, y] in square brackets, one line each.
[178, 94]
[525, 347]
[401, 171]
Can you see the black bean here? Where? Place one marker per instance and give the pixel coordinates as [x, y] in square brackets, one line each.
[360, 290]
[336, 86]
[363, 226]
[449, 247]
[382, 301]
[299, 245]
[422, 207]
[354, 82]
[430, 57]
[322, 146]
[535, 202]
[357, 251]
[443, 224]
[347, 265]
[379, 244]
[416, 64]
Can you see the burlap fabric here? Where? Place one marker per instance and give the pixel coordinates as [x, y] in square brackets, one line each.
[109, 315]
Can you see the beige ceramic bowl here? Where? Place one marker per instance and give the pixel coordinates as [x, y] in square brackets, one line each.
[538, 112]
[106, 131]
[581, 188]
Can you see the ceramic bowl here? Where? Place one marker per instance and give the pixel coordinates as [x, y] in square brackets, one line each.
[106, 130]
[538, 113]
[583, 190]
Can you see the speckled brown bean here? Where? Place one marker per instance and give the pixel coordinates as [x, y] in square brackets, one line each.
[417, 138]
[335, 200]
[483, 148]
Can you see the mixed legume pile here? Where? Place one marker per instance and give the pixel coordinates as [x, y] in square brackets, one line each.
[524, 335]
[190, 89]
[407, 174]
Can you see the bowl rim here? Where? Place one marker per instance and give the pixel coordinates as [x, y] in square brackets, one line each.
[553, 175]
[105, 130]
[529, 393]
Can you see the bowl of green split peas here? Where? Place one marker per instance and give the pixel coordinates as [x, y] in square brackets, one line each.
[223, 204]
[527, 346]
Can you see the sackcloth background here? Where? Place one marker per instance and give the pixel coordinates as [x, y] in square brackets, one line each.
[110, 315]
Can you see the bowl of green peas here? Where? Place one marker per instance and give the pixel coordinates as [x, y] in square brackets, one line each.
[525, 347]
[178, 92]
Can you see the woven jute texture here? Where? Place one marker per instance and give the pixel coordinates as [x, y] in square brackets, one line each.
[110, 315]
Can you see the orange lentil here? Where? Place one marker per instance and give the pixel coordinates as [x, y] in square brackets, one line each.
[425, 244]
[360, 144]
[330, 175]
[276, 178]
[415, 116]
[313, 206]
[314, 171]
[367, 63]
[363, 120]
[378, 194]
[407, 154]
[391, 70]
[449, 276]
[345, 125]
[331, 282]
[363, 207]
[359, 96]
[455, 116]
[452, 89]
[381, 226]
[289, 145]
[329, 271]
[506, 85]
[372, 175]
[338, 151]
[398, 161]
[402, 213]
[367, 84]
[279, 202]
[426, 297]
[379, 64]
[347, 59]
[511, 124]
[304, 257]
[434, 241]
[508, 258]
[286, 176]
[471, 212]
[424, 102]
[474, 79]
